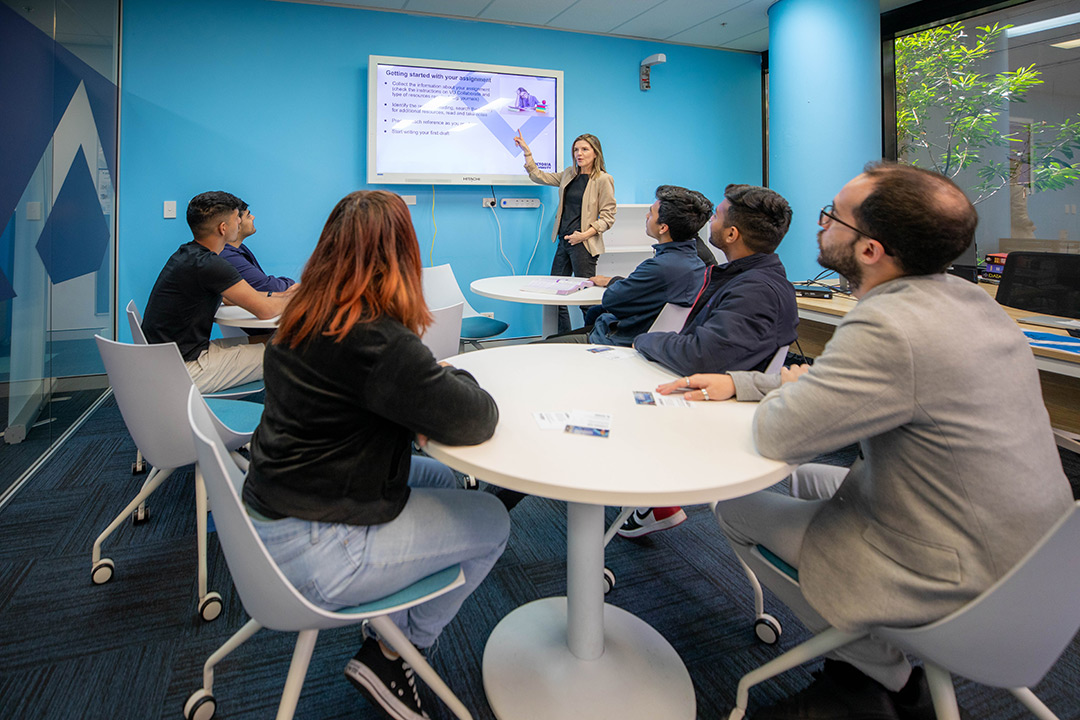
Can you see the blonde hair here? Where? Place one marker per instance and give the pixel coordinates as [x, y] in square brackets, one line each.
[594, 143]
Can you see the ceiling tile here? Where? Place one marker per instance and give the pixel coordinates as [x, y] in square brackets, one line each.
[463, 8]
[668, 18]
[600, 15]
[526, 13]
[726, 27]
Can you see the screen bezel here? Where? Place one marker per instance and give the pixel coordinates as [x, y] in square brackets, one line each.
[433, 178]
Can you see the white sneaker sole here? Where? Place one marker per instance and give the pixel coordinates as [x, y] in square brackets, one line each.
[668, 522]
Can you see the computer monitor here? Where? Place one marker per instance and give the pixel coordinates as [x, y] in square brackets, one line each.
[1047, 283]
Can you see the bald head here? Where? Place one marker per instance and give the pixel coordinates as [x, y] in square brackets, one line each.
[922, 218]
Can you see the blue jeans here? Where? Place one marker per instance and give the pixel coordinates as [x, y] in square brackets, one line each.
[336, 565]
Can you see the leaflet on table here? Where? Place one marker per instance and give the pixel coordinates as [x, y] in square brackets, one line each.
[558, 286]
[644, 397]
[582, 422]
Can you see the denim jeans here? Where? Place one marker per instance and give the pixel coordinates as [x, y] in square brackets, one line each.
[336, 565]
[572, 260]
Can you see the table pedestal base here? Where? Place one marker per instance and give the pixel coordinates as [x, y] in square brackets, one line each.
[529, 671]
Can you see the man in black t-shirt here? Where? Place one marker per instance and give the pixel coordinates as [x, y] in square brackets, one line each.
[189, 290]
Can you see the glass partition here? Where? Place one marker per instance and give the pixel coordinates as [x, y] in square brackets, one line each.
[58, 138]
[993, 101]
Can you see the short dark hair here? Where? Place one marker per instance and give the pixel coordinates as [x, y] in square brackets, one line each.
[208, 209]
[683, 211]
[761, 215]
[922, 218]
[243, 206]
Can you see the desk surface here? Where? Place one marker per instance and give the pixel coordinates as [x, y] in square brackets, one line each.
[235, 316]
[512, 288]
[831, 311]
[654, 455]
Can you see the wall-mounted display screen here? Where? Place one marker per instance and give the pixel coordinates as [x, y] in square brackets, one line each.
[453, 123]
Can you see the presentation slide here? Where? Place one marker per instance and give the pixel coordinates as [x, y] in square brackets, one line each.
[462, 122]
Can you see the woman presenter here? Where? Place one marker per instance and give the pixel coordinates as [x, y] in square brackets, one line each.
[347, 511]
[586, 210]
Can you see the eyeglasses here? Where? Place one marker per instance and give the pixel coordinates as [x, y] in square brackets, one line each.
[826, 217]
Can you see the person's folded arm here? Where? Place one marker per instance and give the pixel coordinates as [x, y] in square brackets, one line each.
[861, 386]
[727, 340]
[443, 403]
[259, 304]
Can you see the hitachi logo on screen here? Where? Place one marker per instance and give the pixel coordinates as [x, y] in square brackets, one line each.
[470, 178]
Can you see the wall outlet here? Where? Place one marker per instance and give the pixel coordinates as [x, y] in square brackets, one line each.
[488, 202]
[169, 210]
[519, 203]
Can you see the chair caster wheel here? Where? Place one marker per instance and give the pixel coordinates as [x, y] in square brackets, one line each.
[767, 628]
[609, 580]
[141, 515]
[102, 571]
[470, 483]
[210, 607]
[200, 706]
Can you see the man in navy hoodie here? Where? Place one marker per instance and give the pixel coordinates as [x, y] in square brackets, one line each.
[745, 312]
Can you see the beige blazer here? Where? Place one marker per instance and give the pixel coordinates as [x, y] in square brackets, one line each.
[597, 204]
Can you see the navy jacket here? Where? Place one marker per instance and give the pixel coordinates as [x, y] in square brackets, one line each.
[673, 275]
[745, 312]
[249, 268]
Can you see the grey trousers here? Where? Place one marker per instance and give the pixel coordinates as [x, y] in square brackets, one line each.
[779, 523]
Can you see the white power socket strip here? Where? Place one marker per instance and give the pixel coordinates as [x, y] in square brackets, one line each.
[519, 203]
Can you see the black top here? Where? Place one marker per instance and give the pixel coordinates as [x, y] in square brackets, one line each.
[571, 205]
[334, 443]
[186, 296]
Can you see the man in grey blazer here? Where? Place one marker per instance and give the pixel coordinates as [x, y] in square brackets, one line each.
[953, 484]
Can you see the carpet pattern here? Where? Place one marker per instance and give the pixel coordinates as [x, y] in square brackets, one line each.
[133, 649]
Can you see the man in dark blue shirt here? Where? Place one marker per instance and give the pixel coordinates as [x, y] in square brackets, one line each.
[243, 259]
[745, 312]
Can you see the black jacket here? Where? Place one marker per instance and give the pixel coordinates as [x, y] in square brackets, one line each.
[334, 443]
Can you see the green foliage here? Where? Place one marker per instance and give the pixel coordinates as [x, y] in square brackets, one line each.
[949, 112]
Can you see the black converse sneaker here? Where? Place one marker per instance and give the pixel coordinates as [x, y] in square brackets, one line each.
[388, 684]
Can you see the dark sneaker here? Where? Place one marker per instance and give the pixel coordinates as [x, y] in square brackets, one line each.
[644, 521]
[913, 702]
[839, 691]
[388, 684]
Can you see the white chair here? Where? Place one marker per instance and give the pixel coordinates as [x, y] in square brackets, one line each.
[271, 600]
[441, 289]
[443, 336]
[151, 384]
[672, 317]
[1008, 637]
[238, 391]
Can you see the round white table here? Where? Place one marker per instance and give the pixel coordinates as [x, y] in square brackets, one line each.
[514, 289]
[577, 657]
[236, 316]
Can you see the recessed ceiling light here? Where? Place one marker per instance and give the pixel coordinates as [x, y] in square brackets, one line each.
[1050, 24]
[1068, 44]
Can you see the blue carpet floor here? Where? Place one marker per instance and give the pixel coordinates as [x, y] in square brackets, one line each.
[133, 649]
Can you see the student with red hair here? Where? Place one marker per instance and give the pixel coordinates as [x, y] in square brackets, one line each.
[346, 510]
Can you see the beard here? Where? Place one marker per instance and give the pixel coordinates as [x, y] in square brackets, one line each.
[842, 260]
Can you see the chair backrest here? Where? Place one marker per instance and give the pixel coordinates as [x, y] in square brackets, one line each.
[1047, 283]
[1015, 631]
[777, 362]
[267, 595]
[671, 318]
[443, 336]
[441, 289]
[265, 592]
[151, 385]
[135, 322]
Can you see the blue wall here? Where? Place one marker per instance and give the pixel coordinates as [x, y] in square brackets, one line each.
[824, 110]
[268, 100]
